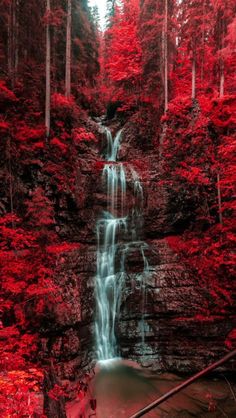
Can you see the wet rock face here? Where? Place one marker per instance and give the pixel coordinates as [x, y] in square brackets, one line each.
[67, 336]
[175, 339]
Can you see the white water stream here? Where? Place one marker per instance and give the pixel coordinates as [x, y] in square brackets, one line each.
[117, 234]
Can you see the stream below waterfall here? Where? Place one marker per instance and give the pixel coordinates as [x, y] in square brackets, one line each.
[118, 232]
[121, 388]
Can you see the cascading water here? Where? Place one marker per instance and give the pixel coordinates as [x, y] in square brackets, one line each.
[117, 232]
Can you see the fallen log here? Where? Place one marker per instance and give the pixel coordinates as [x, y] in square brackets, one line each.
[183, 385]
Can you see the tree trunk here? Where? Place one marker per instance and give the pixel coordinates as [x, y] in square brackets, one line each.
[166, 56]
[16, 55]
[203, 44]
[222, 64]
[165, 62]
[222, 77]
[222, 82]
[219, 199]
[68, 51]
[9, 63]
[9, 159]
[194, 76]
[13, 42]
[13, 33]
[48, 74]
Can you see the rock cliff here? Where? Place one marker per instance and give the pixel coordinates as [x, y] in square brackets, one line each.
[176, 338]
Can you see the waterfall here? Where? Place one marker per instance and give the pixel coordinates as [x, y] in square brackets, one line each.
[117, 233]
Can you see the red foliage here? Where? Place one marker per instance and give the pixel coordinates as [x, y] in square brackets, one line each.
[193, 175]
[27, 133]
[59, 101]
[209, 257]
[196, 141]
[20, 393]
[230, 341]
[123, 61]
[60, 145]
[99, 165]
[62, 247]
[82, 135]
[39, 210]
[140, 165]
[4, 126]
[56, 393]
[34, 172]
[6, 95]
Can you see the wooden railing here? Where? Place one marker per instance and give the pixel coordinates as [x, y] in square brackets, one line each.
[183, 385]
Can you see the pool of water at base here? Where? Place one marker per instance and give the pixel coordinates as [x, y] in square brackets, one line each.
[121, 388]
